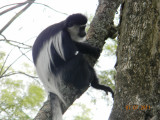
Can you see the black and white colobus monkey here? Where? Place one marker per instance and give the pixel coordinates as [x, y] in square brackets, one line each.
[57, 55]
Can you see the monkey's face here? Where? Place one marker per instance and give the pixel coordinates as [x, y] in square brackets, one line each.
[77, 32]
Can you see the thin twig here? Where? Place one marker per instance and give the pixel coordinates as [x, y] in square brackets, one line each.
[50, 8]
[3, 36]
[31, 38]
[12, 41]
[12, 4]
[17, 5]
[5, 61]
[18, 72]
[17, 15]
[8, 41]
[13, 63]
[25, 55]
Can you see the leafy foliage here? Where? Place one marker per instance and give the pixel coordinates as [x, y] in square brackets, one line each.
[84, 114]
[110, 47]
[16, 102]
[107, 78]
[18, 98]
[2, 54]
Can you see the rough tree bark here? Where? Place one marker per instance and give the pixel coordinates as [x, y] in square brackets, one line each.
[137, 94]
[101, 28]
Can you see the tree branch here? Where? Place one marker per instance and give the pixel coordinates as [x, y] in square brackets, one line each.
[18, 72]
[5, 62]
[11, 63]
[25, 55]
[15, 45]
[50, 8]
[12, 8]
[17, 15]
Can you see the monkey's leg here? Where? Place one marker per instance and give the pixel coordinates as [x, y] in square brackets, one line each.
[96, 85]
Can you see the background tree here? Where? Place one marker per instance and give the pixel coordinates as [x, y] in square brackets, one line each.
[137, 90]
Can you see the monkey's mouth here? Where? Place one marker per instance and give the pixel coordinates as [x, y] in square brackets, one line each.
[83, 39]
[80, 39]
[82, 34]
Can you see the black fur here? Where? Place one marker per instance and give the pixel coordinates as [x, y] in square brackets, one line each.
[73, 69]
[76, 19]
[43, 37]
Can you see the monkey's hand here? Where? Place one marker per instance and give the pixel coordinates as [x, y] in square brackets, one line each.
[85, 48]
[108, 89]
[96, 52]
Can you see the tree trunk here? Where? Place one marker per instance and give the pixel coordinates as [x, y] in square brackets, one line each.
[137, 94]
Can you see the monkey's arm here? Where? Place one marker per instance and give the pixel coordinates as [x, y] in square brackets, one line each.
[87, 49]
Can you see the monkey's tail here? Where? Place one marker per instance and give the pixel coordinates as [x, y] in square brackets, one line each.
[55, 107]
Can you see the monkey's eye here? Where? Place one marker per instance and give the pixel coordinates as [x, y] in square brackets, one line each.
[82, 28]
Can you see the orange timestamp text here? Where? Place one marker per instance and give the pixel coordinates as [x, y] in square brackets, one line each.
[138, 107]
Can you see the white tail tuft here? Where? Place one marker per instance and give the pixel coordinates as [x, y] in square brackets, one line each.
[56, 107]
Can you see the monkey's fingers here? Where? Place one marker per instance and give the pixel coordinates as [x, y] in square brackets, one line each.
[112, 94]
[106, 92]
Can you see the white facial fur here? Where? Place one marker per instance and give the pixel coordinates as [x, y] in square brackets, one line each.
[74, 30]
